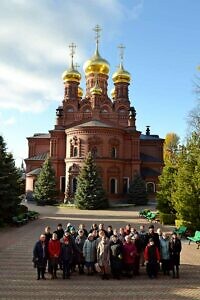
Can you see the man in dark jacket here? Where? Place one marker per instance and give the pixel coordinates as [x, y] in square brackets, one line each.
[66, 256]
[40, 256]
[116, 256]
[153, 235]
[59, 231]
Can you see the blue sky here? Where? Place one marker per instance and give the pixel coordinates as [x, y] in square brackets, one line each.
[162, 54]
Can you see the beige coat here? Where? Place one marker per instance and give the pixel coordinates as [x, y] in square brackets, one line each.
[103, 254]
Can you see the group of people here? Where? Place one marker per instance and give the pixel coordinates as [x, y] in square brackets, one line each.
[106, 251]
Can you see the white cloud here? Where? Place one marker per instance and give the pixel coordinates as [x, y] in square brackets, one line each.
[33, 44]
[6, 121]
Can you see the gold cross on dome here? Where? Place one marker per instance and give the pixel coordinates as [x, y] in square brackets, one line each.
[97, 30]
[72, 48]
[121, 48]
[76, 66]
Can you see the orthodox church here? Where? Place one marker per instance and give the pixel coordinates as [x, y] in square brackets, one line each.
[95, 122]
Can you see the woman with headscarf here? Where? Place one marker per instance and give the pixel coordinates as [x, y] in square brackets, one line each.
[103, 256]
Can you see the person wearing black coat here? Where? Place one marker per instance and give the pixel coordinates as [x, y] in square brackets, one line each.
[59, 231]
[40, 253]
[153, 235]
[175, 250]
[66, 256]
[116, 256]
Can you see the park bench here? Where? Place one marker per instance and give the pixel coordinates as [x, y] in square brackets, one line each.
[143, 213]
[32, 215]
[23, 218]
[151, 216]
[17, 221]
[181, 230]
[195, 238]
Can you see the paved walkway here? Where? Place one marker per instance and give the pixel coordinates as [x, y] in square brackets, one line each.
[18, 277]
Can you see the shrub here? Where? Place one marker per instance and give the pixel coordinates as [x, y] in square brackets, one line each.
[168, 219]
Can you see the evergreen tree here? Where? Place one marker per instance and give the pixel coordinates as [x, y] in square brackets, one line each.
[90, 193]
[137, 193]
[45, 188]
[9, 184]
[186, 195]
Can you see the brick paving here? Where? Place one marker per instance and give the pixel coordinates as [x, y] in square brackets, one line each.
[18, 277]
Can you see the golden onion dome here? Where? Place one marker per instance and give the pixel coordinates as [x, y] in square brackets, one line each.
[71, 75]
[80, 92]
[96, 64]
[121, 75]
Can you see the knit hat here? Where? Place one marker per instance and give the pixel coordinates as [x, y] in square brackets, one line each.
[89, 235]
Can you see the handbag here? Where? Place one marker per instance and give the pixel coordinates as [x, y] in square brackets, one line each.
[97, 267]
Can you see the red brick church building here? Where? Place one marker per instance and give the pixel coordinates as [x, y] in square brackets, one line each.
[100, 124]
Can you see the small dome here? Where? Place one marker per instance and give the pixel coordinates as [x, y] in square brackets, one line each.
[96, 64]
[71, 75]
[95, 90]
[112, 93]
[80, 92]
[121, 75]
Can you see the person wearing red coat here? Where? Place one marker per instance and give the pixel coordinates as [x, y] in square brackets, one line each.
[129, 253]
[152, 258]
[54, 249]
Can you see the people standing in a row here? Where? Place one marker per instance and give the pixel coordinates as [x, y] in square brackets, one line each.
[120, 252]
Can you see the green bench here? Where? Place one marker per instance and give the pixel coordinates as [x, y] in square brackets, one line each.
[151, 216]
[32, 215]
[143, 213]
[195, 238]
[181, 230]
[17, 221]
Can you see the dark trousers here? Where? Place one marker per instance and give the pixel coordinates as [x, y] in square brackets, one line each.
[152, 269]
[40, 272]
[128, 268]
[165, 266]
[66, 269]
[175, 268]
[116, 267]
[53, 265]
[137, 265]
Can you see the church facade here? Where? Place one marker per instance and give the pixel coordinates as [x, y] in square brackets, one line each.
[100, 124]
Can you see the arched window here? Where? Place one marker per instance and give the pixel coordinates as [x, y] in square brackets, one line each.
[70, 109]
[74, 185]
[113, 152]
[75, 151]
[125, 185]
[150, 187]
[113, 186]
[94, 152]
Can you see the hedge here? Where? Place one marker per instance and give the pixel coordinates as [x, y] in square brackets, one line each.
[167, 219]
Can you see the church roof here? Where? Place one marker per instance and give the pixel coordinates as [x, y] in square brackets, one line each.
[41, 135]
[150, 137]
[148, 172]
[94, 123]
[148, 158]
[40, 156]
[34, 172]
